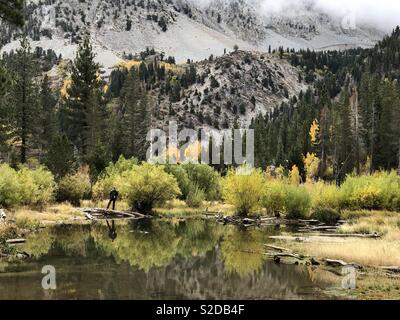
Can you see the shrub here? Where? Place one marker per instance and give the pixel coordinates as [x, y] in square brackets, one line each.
[195, 197]
[328, 216]
[206, 178]
[37, 186]
[75, 187]
[111, 177]
[368, 197]
[9, 187]
[372, 192]
[181, 176]
[147, 185]
[297, 202]
[273, 199]
[324, 196]
[244, 192]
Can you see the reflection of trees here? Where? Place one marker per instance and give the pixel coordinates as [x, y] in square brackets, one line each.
[242, 250]
[197, 237]
[68, 240]
[159, 260]
[144, 250]
[72, 240]
[40, 243]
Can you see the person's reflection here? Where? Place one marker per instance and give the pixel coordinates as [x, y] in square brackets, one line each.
[112, 231]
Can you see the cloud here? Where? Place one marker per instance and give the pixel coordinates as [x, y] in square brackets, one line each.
[384, 14]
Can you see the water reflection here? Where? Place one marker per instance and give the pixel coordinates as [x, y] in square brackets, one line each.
[112, 232]
[155, 259]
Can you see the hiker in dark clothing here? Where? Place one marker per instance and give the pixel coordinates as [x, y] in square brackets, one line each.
[113, 198]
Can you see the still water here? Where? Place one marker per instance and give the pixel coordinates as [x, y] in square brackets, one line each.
[155, 259]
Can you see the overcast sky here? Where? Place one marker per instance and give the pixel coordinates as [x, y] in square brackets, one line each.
[382, 13]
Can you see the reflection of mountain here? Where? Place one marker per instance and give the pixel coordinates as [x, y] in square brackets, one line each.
[192, 260]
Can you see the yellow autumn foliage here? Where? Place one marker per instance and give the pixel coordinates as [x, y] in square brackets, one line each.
[64, 89]
[314, 131]
[311, 164]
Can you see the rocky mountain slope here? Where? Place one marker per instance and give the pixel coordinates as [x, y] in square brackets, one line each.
[182, 28]
[231, 89]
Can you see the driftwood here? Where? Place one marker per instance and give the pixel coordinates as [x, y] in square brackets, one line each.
[15, 241]
[352, 235]
[336, 263]
[103, 214]
[280, 249]
[309, 221]
[394, 269]
[318, 228]
[284, 255]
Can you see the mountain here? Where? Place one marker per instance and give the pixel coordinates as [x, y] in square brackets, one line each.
[184, 29]
[232, 88]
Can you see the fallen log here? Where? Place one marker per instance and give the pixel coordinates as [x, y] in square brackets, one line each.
[280, 249]
[15, 241]
[336, 263]
[351, 235]
[102, 214]
[284, 255]
[309, 221]
[394, 269]
[320, 228]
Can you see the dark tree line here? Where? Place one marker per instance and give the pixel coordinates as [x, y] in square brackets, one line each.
[357, 108]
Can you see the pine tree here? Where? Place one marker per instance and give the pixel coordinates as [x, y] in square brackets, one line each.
[11, 11]
[47, 112]
[84, 104]
[24, 100]
[135, 119]
[60, 158]
[356, 124]
[342, 138]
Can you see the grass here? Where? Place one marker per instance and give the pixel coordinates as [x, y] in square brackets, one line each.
[367, 252]
[120, 205]
[180, 209]
[26, 218]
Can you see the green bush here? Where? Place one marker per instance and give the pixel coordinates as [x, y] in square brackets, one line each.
[244, 192]
[75, 187]
[328, 216]
[181, 176]
[325, 196]
[297, 202]
[372, 192]
[195, 197]
[10, 195]
[273, 199]
[147, 185]
[206, 178]
[37, 186]
[111, 177]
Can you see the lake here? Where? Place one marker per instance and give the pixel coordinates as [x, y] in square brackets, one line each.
[157, 259]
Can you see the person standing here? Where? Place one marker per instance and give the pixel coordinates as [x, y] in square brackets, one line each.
[113, 198]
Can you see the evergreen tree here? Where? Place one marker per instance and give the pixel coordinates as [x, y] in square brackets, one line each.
[85, 110]
[60, 158]
[47, 113]
[24, 100]
[11, 11]
[135, 120]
